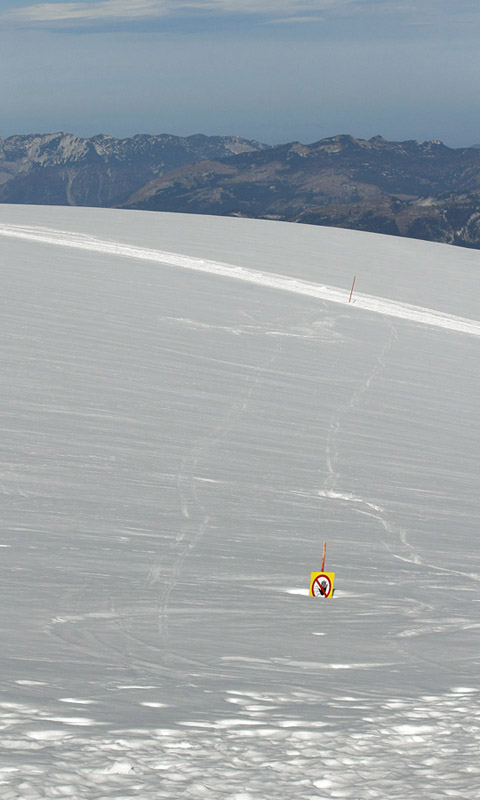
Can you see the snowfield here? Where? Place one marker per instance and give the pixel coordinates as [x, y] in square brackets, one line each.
[189, 408]
[381, 305]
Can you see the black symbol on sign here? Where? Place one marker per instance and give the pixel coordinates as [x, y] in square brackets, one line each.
[321, 586]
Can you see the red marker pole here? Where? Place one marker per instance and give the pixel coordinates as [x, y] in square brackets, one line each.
[351, 291]
[323, 558]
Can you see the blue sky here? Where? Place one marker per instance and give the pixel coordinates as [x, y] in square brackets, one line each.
[274, 70]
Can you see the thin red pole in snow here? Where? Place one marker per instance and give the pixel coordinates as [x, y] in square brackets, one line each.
[323, 558]
[351, 291]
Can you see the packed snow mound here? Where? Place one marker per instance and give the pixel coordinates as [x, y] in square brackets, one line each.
[190, 406]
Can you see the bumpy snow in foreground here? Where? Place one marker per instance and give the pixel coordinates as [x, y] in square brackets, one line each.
[189, 408]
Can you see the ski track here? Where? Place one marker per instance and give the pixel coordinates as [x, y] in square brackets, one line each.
[330, 488]
[195, 515]
[379, 305]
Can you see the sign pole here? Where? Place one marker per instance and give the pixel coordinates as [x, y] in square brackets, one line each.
[351, 291]
[321, 583]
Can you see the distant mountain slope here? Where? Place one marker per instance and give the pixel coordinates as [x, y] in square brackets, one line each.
[373, 185]
[452, 219]
[63, 169]
[282, 180]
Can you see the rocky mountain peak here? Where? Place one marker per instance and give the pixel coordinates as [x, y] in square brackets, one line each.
[62, 168]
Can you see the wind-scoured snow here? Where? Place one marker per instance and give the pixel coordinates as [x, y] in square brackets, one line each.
[189, 408]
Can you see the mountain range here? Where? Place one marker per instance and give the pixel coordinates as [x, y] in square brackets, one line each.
[62, 169]
[420, 190]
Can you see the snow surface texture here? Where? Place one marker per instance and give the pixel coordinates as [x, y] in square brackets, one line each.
[381, 305]
[176, 445]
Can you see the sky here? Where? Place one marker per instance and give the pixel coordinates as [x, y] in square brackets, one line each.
[271, 70]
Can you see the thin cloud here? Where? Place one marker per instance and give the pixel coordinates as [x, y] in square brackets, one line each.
[101, 11]
[300, 19]
[89, 12]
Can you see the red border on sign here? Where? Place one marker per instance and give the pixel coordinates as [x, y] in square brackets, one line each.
[322, 590]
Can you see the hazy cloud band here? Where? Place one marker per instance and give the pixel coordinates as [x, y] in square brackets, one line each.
[129, 10]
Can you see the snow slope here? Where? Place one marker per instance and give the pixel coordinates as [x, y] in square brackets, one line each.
[190, 406]
[381, 305]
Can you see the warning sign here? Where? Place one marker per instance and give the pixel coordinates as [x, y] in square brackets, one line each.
[321, 584]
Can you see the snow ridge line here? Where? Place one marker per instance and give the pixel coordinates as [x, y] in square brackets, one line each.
[379, 305]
